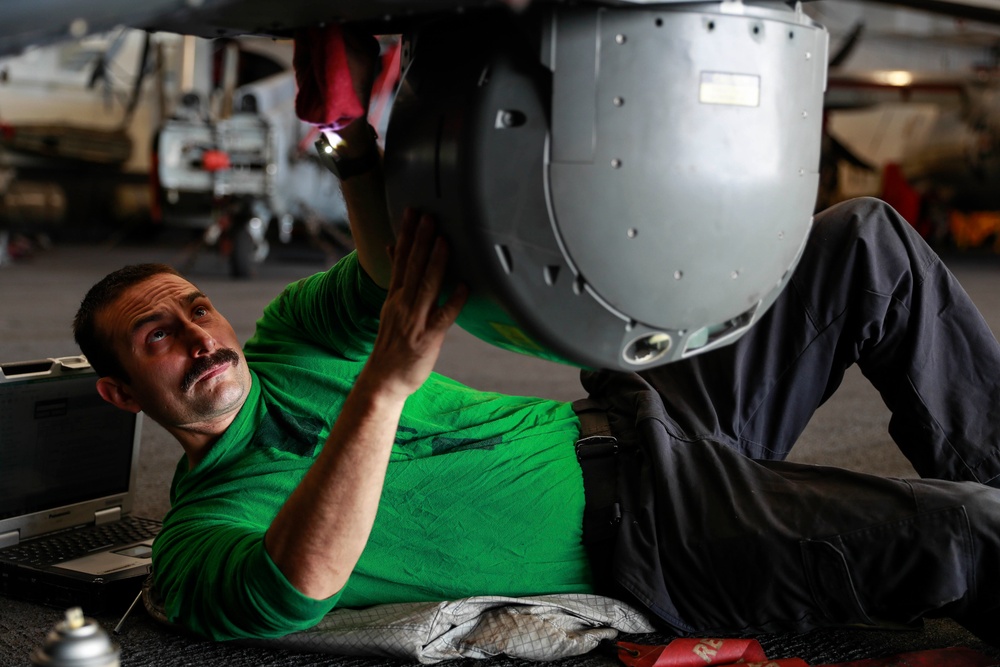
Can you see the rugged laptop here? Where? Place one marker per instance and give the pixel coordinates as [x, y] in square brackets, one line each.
[68, 469]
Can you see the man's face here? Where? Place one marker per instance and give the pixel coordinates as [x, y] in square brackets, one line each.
[182, 357]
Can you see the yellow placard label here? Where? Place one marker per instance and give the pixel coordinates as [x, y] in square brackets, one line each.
[742, 90]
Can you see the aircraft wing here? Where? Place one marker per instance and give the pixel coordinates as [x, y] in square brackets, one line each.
[26, 23]
[222, 18]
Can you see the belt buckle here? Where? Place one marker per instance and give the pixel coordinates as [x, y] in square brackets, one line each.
[596, 446]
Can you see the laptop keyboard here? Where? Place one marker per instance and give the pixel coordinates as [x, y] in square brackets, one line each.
[80, 542]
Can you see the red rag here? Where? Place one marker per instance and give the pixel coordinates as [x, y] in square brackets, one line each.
[326, 96]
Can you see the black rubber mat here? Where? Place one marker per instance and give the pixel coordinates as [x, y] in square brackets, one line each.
[143, 642]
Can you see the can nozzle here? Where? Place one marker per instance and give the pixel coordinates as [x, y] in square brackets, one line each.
[74, 618]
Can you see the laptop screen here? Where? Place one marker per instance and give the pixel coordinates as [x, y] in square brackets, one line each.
[60, 444]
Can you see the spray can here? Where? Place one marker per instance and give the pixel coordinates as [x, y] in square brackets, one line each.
[77, 641]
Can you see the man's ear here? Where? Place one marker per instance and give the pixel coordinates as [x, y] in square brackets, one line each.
[116, 393]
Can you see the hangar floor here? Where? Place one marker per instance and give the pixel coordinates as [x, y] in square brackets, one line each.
[39, 295]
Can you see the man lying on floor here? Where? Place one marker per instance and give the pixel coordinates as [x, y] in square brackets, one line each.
[325, 465]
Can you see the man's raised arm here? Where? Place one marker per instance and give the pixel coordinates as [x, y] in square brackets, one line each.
[335, 71]
[318, 536]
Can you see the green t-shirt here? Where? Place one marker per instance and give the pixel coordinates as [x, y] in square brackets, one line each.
[483, 494]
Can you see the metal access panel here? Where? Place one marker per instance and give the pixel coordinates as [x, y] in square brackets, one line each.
[622, 186]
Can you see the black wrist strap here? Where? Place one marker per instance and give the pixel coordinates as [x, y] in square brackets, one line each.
[344, 168]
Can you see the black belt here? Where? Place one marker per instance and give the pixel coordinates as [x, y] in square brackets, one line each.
[597, 453]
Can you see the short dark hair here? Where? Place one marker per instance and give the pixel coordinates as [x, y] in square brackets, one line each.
[94, 344]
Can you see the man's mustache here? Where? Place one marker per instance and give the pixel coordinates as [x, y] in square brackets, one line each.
[202, 365]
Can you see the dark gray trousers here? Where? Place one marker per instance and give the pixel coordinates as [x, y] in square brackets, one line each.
[718, 534]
